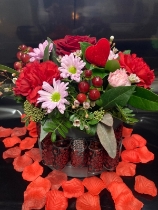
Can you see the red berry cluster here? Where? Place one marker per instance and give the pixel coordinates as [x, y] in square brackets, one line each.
[86, 91]
[22, 56]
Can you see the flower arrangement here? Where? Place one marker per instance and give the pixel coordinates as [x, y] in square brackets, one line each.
[81, 82]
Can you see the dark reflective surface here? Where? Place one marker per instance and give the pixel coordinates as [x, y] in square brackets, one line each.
[133, 23]
[12, 186]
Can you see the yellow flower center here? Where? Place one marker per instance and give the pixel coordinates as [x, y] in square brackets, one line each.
[55, 97]
[72, 69]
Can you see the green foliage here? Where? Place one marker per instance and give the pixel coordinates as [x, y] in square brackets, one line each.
[91, 130]
[118, 95]
[84, 46]
[59, 126]
[124, 114]
[54, 55]
[8, 69]
[100, 72]
[46, 54]
[144, 99]
[127, 52]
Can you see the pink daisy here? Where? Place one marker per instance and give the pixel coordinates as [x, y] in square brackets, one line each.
[38, 53]
[52, 97]
[71, 66]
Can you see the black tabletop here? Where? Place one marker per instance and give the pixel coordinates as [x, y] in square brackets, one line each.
[12, 186]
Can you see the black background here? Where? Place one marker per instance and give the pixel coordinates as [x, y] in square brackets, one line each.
[134, 24]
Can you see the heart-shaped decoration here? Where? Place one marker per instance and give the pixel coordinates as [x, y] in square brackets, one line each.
[98, 54]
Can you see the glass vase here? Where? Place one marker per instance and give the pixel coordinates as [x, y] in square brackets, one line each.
[78, 153]
[95, 157]
[61, 154]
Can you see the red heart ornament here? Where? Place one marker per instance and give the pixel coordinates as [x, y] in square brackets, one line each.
[98, 54]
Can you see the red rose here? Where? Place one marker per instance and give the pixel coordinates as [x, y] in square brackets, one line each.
[31, 79]
[136, 65]
[71, 43]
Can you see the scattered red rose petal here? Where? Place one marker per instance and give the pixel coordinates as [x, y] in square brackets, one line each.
[32, 171]
[31, 125]
[21, 162]
[144, 154]
[126, 169]
[93, 184]
[88, 202]
[130, 156]
[73, 188]
[56, 178]
[129, 143]
[145, 186]
[133, 142]
[27, 143]
[11, 141]
[35, 154]
[127, 201]
[109, 177]
[126, 132]
[56, 200]
[19, 131]
[140, 140]
[33, 132]
[34, 198]
[116, 188]
[12, 152]
[5, 132]
[40, 182]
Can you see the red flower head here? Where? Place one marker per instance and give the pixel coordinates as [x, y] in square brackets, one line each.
[71, 43]
[31, 79]
[136, 65]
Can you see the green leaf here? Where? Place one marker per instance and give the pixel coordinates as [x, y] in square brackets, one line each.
[91, 116]
[107, 139]
[63, 127]
[99, 72]
[83, 46]
[68, 124]
[107, 119]
[81, 126]
[118, 95]
[53, 137]
[72, 117]
[61, 132]
[46, 53]
[112, 65]
[124, 114]
[144, 99]
[54, 55]
[93, 122]
[8, 69]
[99, 102]
[49, 40]
[91, 130]
[47, 129]
[127, 52]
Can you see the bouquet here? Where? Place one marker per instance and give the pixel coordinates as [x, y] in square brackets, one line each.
[80, 82]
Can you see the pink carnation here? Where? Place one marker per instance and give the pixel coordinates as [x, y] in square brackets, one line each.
[118, 78]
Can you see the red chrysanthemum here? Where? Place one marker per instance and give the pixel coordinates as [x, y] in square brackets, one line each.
[138, 66]
[31, 79]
